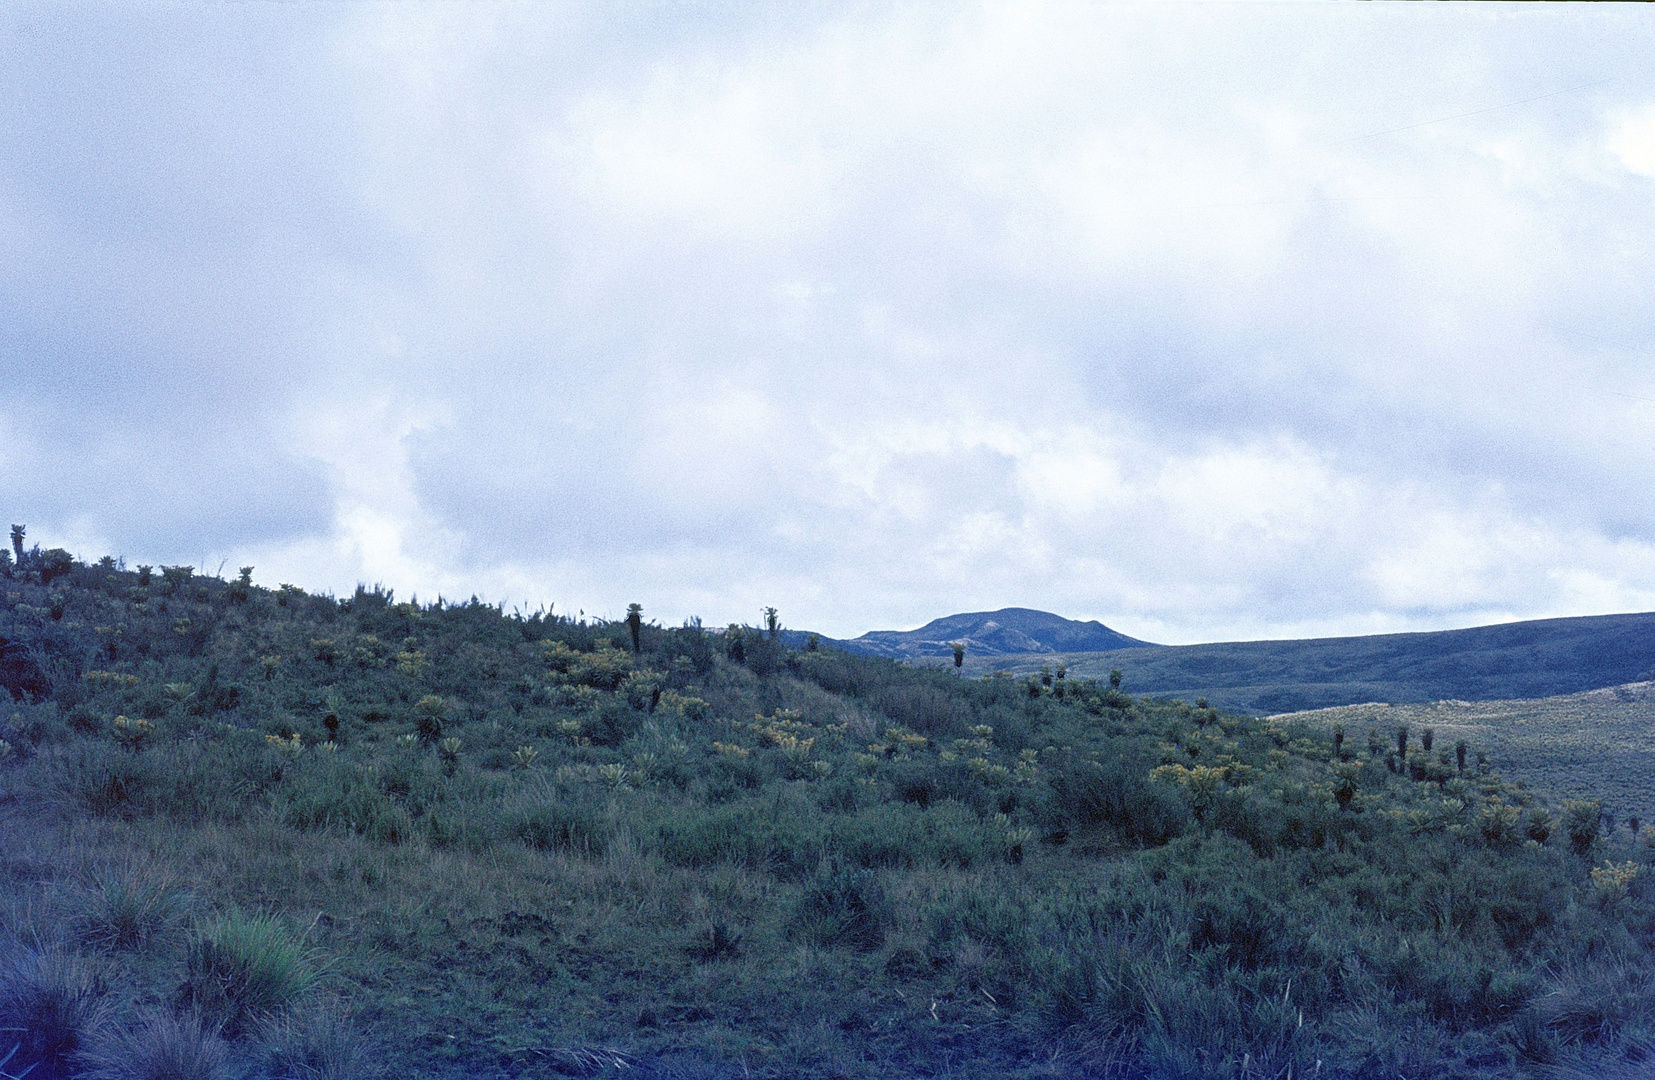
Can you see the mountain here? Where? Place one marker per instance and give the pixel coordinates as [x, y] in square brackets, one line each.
[1009, 631]
[1532, 659]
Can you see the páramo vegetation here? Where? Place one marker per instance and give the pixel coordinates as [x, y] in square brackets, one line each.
[265, 833]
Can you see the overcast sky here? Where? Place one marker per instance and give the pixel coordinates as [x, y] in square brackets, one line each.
[1207, 321]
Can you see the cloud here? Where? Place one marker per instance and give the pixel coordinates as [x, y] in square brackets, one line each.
[1205, 321]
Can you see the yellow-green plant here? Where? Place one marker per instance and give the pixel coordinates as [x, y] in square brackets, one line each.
[449, 749]
[1611, 880]
[615, 776]
[133, 734]
[524, 756]
[292, 746]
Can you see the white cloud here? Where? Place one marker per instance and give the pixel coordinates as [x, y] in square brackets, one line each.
[1205, 321]
[1633, 141]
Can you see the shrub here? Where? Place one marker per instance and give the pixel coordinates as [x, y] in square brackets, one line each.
[163, 1047]
[244, 968]
[1118, 794]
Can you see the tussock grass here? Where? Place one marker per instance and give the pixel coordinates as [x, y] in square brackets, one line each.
[160, 1046]
[241, 968]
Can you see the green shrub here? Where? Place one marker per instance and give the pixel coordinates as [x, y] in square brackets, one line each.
[1580, 821]
[1117, 793]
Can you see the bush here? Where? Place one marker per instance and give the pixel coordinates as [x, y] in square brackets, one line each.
[1119, 794]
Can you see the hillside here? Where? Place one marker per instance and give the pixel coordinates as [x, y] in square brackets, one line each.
[276, 835]
[1596, 744]
[1532, 659]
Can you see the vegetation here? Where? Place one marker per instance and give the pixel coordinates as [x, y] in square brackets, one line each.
[252, 832]
[1597, 746]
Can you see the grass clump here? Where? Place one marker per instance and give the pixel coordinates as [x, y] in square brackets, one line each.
[243, 968]
[127, 909]
[51, 1004]
[317, 1043]
[161, 1046]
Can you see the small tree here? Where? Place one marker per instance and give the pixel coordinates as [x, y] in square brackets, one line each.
[635, 623]
[1402, 740]
[1459, 754]
[1115, 679]
[772, 623]
[959, 653]
[17, 532]
[1427, 738]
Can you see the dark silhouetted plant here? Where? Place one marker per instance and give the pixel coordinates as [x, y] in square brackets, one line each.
[635, 623]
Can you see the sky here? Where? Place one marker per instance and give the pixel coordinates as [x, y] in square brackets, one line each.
[1211, 322]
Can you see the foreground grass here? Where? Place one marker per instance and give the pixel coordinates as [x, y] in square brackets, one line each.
[279, 835]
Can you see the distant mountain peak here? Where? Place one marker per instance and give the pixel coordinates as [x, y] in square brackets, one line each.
[1008, 631]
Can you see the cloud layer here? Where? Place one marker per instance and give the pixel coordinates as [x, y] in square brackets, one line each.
[1207, 321]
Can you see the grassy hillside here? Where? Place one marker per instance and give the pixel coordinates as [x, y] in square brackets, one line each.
[1597, 744]
[264, 833]
[1532, 659]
